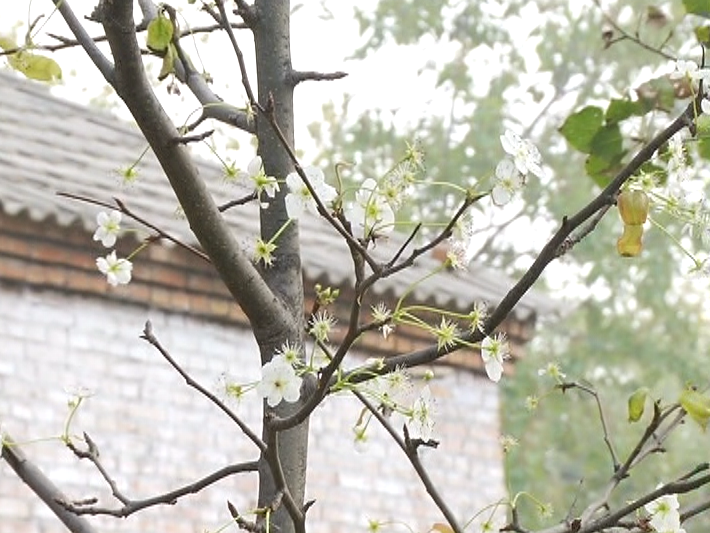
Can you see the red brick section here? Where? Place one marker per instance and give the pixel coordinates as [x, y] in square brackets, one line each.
[48, 256]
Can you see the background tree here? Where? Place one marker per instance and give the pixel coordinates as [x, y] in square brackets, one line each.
[272, 297]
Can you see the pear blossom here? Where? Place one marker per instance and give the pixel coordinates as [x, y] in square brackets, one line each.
[300, 198]
[279, 381]
[109, 227]
[322, 325]
[553, 370]
[381, 314]
[665, 516]
[258, 178]
[705, 106]
[371, 212]
[263, 251]
[507, 182]
[524, 153]
[116, 270]
[477, 317]
[494, 350]
[688, 70]
[421, 423]
[446, 334]
[291, 353]
[391, 389]
[508, 442]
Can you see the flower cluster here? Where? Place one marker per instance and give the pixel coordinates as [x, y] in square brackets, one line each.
[117, 270]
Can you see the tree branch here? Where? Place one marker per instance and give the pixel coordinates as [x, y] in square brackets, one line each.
[42, 486]
[411, 452]
[87, 43]
[299, 76]
[132, 506]
[149, 337]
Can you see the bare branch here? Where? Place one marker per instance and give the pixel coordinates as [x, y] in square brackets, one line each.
[123, 208]
[602, 418]
[132, 506]
[410, 450]
[239, 201]
[197, 137]
[299, 76]
[232, 39]
[152, 339]
[87, 43]
[42, 486]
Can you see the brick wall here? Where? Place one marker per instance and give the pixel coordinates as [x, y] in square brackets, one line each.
[155, 433]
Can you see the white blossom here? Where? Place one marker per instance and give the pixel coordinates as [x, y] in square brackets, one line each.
[507, 182]
[371, 213]
[116, 270]
[524, 153]
[494, 350]
[421, 422]
[109, 227]
[665, 517]
[256, 177]
[300, 198]
[279, 381]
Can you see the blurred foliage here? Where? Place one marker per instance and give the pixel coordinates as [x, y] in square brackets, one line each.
[632, 322]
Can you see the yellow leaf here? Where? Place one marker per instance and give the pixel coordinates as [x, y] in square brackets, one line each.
[697, 406]
[6, 43]
[637, 403]
[168, 63]
[441, 528]
[36, 67]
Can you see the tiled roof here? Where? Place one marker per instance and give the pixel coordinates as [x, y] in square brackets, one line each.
[49, 145]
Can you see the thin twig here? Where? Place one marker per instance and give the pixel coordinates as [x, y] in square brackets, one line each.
[185, 139]
[152, 339]
[602, 417]
[87, 43]
[298, 76]
[239, 201]
[123, 208]
[411, 452]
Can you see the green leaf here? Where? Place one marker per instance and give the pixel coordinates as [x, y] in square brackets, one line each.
[697, 7]
[621, 109]
[697, 406]
[580, 128]
[36, 67]
[168, 66]
[702, 34]
[703, 135]
[608, 143]
[596, 168]
[637, 404]
[160, 34]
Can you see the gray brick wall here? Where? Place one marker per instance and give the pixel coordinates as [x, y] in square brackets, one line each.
[155, 433]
